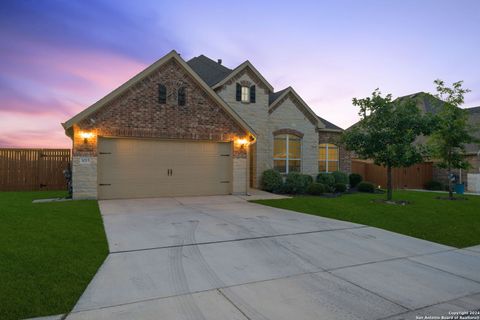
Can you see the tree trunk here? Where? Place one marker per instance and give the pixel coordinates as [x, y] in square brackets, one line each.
[389, 183]
[450, 191]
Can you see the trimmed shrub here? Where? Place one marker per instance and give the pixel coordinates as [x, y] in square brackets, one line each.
[434, 185]
[297, 183]
[340, 177]
[366, 187]
[354, 179]
[340, 187]
[326, 178]
[272, 181]
[316, 189]
[308, 179]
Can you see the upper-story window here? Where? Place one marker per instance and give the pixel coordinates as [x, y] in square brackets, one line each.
[162, 94]
[327, 157]
[182, 96]
[287, 153]
[246, 93]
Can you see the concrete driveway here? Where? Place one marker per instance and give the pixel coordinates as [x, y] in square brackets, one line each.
[224, 258]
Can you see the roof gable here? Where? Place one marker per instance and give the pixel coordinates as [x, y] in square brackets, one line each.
[145, 73]
[299, 103]
[238, 71]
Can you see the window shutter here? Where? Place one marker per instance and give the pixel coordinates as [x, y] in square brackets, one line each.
[162, 94]
[182, 97]
[239, 92]
[252, 94]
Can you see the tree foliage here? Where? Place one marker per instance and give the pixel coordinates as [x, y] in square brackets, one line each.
[451, 132]
[386, 132]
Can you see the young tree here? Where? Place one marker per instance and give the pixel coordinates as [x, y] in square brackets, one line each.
[386, 133]
[451, 132]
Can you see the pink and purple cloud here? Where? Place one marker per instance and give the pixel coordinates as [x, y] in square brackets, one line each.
[58, 57]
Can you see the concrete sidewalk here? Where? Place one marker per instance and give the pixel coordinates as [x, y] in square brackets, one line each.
[225, 258]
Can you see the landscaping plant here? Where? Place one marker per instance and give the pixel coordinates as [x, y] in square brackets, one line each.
[366, 187]
[297, 183]
[340, 177]
[386, 133]
[340, 187]
[434, 185]
[272, 181]
[451, 131]
[316, 189]
[354, 179]
[327, 179]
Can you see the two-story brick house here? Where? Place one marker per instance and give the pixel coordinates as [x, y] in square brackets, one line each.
[196, 128]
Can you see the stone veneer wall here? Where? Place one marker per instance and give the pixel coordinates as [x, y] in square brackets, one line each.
[240, 175]
[288, 116]
[345, 156]
[137, 113]
[255, 114]
[84, 171]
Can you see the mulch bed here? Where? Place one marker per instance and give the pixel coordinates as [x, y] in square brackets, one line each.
[395, 202]
[454, 198]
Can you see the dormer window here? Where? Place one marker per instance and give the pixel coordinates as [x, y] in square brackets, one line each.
[245, 93]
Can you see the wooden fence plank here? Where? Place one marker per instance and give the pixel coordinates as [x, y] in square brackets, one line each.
[33, 169]
[414, 177]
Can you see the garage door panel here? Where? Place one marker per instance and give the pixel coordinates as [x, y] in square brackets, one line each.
[135, 168]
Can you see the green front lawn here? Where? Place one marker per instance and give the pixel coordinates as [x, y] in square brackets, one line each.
[454, 223]
[49, 252]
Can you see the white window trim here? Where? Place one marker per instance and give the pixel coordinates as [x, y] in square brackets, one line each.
[245, 94]
[326, 157]
[287, 158]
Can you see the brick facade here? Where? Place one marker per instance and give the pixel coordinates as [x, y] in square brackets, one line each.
[345, 156]
[138, 113]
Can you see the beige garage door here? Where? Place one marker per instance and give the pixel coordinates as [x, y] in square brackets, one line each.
[136, 168]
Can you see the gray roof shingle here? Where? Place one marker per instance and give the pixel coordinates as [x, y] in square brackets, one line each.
[210, 71]
[275, 95]
[213, 72]
[329, 125]
[425, 101]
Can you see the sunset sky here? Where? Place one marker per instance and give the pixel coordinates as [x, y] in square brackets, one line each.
[59, 57]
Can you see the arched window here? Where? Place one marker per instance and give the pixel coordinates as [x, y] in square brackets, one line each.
[287, 153]
[182, 96]
[162, 94]
[327, 157]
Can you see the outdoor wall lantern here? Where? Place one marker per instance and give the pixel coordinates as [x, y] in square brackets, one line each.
[242, 143]
[86, 136]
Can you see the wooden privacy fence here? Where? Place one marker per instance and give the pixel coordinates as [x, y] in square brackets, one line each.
[33, 169]
[413, 177]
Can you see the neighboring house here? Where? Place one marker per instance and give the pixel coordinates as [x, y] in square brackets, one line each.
[196, 128]
[428, 103]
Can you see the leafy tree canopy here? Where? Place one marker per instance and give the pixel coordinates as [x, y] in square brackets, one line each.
[451, 132]
[387, 130]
